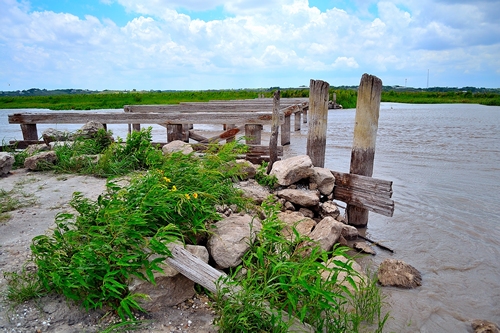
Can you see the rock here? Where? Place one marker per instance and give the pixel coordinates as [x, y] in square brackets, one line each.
[177, 146]
[329, 208]
[168, 291]
[89, 130]
[304, 198]
[248, 169]
[363, 247]
[32, 149]
[326, 233]
[397, 273]
[292, 170]
[251, 189]
[302, 224]
[483, 326]
[171, 287]
[6, 163]
[231, 239]
[349, 232]
[324, 179]
[289, 206]
[40, 161]
[306, 212]
[51, 134]
[359, 277]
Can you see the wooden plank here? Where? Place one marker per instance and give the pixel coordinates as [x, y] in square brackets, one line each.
[213, 107]
[205, 275]
[363, 183]
[141, 118]
[371, 201]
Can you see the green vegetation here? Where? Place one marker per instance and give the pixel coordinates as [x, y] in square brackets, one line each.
[278, 277]
[152, 200]
[116, 100]
[438, 97]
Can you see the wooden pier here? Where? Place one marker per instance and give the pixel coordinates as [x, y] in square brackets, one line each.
[247, 118]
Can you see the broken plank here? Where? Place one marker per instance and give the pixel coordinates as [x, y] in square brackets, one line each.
[367, 200]
[363, 183]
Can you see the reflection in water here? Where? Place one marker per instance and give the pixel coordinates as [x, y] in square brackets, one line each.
[444, 161]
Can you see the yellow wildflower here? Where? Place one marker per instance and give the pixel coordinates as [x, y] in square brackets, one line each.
[174, 188]
[167, 180]
[195, 195]
[187, 196]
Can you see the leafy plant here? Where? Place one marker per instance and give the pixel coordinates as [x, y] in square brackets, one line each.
[12, 200]
[263, 178]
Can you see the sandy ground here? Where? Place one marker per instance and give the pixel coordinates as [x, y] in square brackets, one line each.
[51, 193]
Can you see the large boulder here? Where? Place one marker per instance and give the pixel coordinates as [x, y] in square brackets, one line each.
[397, 273]
[324, 180]
[51, 135]
[89, 130]
[326, 233]
[231, 239]
[292, 169]
[304, 198]
[6, 163]
[177, 146]
[40, 161]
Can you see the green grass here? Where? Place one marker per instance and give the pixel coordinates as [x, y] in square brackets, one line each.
[118, 100]
[424, 97]
[12, 200]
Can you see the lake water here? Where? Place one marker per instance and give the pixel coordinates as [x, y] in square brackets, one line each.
[444, 161]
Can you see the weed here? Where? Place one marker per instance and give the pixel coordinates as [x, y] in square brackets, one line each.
[263, 178]
[12, 200]
[23, 286]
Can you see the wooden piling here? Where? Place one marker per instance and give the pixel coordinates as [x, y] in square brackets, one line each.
[174, 132]
[318, 120]
[365, 135]
[29, 132]
[253, 134]
[285, 131]
[273, 140]
[297, 120]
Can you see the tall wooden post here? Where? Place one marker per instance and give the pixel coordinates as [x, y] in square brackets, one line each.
[297, 120]
[29, 131]
[365, 135]
[273, 140]
[318, 121]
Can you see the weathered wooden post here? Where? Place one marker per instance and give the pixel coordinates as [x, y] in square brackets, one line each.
[297, 120]
[318, 121]
[174, 132]
[253, 134]
[273, 140]
[30, 132]
[365, 135]
[285, 131]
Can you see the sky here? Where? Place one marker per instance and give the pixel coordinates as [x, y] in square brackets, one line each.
[216, 44]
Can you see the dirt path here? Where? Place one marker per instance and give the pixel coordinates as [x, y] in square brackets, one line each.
[50, 194]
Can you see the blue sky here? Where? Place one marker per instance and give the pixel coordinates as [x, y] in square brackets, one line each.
[216, 44]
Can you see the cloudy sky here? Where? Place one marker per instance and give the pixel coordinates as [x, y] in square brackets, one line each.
[216, 44]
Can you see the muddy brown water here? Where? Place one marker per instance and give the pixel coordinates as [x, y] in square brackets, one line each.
[444, 161]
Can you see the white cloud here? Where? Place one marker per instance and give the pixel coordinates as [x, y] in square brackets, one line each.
[266, 39]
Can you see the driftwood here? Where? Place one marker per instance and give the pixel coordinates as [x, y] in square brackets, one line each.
[198, 271]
